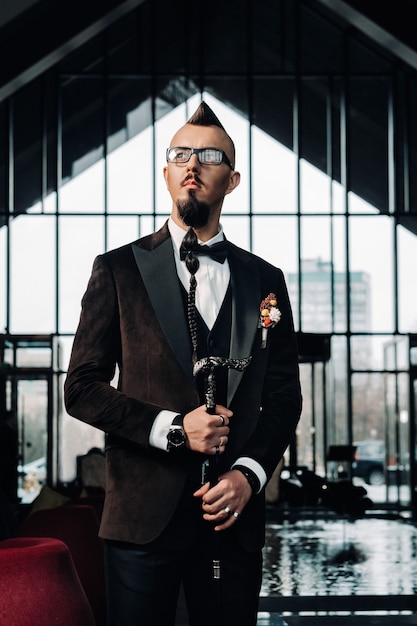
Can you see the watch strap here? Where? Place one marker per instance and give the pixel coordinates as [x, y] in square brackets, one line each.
[178, 419]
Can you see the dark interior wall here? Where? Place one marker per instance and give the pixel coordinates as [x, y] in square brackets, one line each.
[260, 62]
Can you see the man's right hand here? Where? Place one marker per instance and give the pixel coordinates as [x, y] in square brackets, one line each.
[207, 433]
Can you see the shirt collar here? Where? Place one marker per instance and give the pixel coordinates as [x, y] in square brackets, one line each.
[177, 234]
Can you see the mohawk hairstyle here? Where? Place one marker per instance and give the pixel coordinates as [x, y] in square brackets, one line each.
[204, 116]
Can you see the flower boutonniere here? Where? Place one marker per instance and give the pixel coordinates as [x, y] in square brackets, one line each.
[269, 317]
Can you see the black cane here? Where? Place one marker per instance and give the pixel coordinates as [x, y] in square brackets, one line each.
[213, 461]
[208, 366]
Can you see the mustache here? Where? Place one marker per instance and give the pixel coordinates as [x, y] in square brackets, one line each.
[192, 177]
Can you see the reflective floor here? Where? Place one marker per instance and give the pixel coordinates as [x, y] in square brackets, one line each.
[331, 570]
[326, 570]
[321, 557]
[323, 569]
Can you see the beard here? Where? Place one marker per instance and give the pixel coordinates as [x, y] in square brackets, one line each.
[193, 213]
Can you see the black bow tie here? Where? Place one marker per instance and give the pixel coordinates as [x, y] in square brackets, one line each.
[218, 251]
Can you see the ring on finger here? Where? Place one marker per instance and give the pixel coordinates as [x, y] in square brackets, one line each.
[236, 514]
[222, 420]
[227, 511]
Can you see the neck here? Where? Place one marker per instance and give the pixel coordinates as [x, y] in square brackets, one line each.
[206, 233]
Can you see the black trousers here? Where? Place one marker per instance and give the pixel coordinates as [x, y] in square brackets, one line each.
[144, 581]
[143, 586]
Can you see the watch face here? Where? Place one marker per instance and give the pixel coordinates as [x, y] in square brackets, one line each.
[176, 437]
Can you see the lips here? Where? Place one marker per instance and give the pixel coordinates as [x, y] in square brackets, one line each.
[192, 183]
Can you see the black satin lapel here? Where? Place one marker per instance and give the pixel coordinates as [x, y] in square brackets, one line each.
[157, 268]
[246, 298]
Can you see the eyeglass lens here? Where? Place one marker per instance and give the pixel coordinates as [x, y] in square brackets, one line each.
[207, 156]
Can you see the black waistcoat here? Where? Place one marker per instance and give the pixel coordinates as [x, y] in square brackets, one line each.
[214, 342]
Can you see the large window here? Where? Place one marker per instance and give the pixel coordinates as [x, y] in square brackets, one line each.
[320, 197]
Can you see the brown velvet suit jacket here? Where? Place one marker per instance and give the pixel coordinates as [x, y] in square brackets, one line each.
[133, 317]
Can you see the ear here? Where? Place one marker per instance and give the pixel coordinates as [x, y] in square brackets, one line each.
[234, 181]
[165, 172]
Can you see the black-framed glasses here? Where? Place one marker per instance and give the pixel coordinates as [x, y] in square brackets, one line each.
[206, 156]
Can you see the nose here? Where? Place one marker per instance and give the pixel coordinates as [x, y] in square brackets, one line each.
[193, 163]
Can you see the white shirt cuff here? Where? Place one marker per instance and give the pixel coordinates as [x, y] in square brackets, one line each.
[255, 467]
[160, 429]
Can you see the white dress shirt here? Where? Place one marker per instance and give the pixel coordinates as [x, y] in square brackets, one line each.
[212, 282]
[212, 277]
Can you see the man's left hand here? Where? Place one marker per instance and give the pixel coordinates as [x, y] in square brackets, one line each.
[223, 504]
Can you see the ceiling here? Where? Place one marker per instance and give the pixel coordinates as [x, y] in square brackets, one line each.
[45, 31]
[35, 35]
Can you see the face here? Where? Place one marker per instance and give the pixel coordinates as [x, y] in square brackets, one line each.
[206, 183]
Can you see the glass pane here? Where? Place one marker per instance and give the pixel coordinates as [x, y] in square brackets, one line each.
[311, 429]
[4, 160]
[129, 111]
[65, 347]
[27, 125]
[313, 124]
[33, 356]
[339, 256]
[85, 192]
[338, 198]
[315, 189]
[407, 292]
[3, 279]
[49, 203]
[237, 230]
[129, 176]
[338, 419]
[268, 154]
[412, 146]
[397, 453]
[75, 438]
[395, 353]
[32, 412]
[273, 104]
[371, 274]
[359, 205]
[369, 433]
[413, 417]
[275, 240]
[368, 406]
[368, 140]
[82, 131]
[80, 240]
[406, 448]
[149, 224]
[320, 412]
[317, 276]
[305, 428]
[121, 230]
[33, 271]
[377, 352]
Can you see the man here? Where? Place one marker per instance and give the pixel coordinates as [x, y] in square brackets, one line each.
[156, 308]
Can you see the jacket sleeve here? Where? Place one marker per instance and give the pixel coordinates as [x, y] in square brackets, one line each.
[88, 394]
